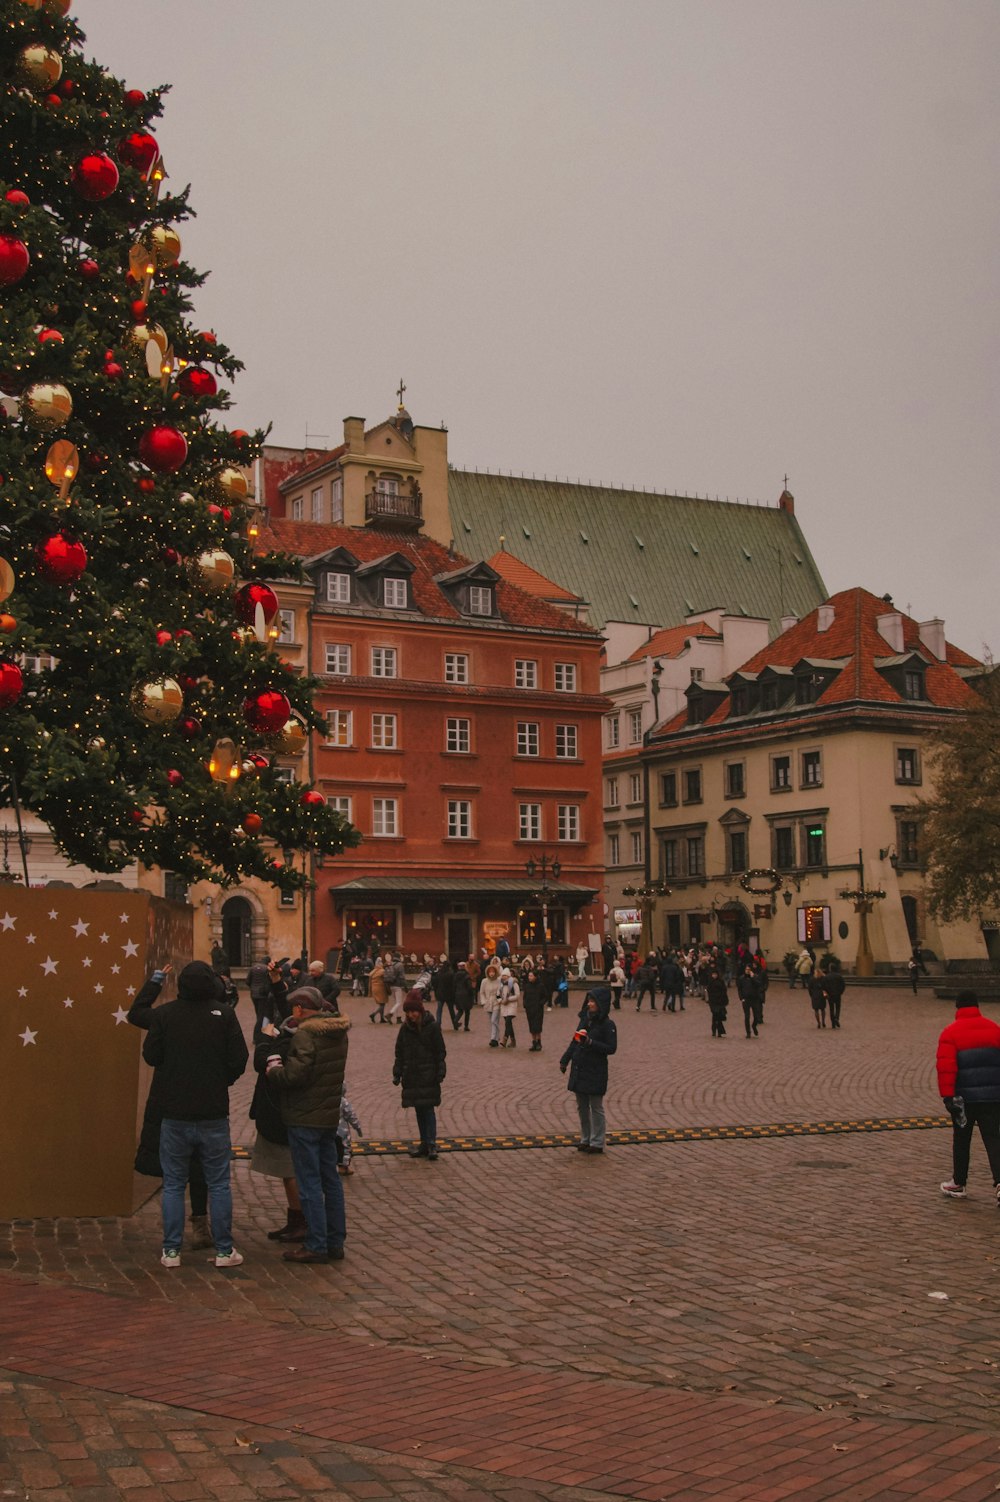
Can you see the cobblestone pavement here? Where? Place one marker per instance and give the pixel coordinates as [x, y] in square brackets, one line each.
[737, 1319]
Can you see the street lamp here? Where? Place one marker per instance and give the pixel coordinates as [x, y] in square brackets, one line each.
[545, 866]
[646, 896]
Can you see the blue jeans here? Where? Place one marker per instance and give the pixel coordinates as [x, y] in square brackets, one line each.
[427, 1127]
[179, 1141]
[314, 1158]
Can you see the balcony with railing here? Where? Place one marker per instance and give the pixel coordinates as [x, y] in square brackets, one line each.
[394, 510]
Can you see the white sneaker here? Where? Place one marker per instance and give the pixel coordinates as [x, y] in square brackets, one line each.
[953, 1191]
[230, 1259]
[170, 1259]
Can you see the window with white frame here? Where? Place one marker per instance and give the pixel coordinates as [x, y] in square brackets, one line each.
[459, 819]
[340, 805]
[525, 673]
[611, 792]
[316, 504]
[339, 727]
[383, 662]
[529, 821]
[456, 667]
[284, 774]
[394, 594]
[457, 735]
[634, 726]
[480, 599]
[527, 738]
[286, 627]
[612, 732]
[636, 839]
[635, 787]
[297, 508]
[568, 821]
[614, 858]
[566, 741]
[384, 732]
[384, 818]
[337, 500]
[338, 658]
[565, 677]
[338, 589]
[387, 485]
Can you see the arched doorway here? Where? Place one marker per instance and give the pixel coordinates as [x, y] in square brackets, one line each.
[734, 925]
[237, 927]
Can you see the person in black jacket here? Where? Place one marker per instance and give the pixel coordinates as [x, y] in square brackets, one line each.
[147, 1155]
[833, 985]
[645, 980]
[443, 986]
[197, 1045]
[751, 994]
[465, 996]
[595, 1040]
[419, 1066]
[817, 997]
[533, 994]
[717, 997]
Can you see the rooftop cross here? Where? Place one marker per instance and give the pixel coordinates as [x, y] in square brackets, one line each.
[399, 393]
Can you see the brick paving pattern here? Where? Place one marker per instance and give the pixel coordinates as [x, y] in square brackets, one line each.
[736, 1317]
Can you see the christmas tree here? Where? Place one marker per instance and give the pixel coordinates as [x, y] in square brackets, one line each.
[142, 702]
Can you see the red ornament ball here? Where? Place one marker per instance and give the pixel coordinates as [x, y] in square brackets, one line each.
[171, 558]
[267, 711]
[183, 632]
[138, 150]
[137, 816]
[18, 199]
[67, 86]
[207, 337]
[260, 761]
[163, 448]
[163, 638]
[113, 370]
[50, 336]
[175, 778]
[61, 559]
[189, 727]
[196, 381]
[11, 684]
[147, 484]
[250, 596]
[89, 269]
[14, 260]
[139, 309]
[253, 823]
[53, 101]
[312, 799]
[95, 176]
[134, 98]
[8, 623]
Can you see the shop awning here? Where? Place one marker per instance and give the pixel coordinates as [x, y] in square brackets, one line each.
[416, 889]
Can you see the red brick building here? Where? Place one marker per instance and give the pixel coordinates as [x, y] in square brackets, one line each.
[463, 737]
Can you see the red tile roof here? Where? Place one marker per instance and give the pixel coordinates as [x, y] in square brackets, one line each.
[671, 641]
[854, 640]
[516, 571]
[516, 606]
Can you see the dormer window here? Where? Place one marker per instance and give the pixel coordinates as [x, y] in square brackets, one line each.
[394, 594]
[338, 589]
[769, 695]
[480, 599]
[913, 684]
[739, 699]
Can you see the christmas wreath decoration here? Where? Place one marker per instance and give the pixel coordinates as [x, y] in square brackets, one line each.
[750, 881]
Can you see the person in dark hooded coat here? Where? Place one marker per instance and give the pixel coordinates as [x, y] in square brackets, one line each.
[586, 1058]
[419, 1066]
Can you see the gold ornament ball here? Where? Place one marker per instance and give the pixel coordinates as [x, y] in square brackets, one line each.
[39, 67]
[6, 579]
[54, 7]
[166, 243]
[46, 406]
[140, 335]
[232, 485]
[292, 737]
[157, 703]
[215, 569]
[249, 769]
[98, 743]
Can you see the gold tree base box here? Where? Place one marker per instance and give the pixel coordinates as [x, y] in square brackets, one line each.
[74, 1083]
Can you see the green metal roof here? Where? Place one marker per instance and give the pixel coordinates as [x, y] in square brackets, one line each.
[635, 556]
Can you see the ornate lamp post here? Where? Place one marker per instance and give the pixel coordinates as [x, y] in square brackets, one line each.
[864, 900]
[545, 866]
[646, 896]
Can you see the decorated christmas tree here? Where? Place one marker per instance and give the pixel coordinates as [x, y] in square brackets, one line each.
[142, 701]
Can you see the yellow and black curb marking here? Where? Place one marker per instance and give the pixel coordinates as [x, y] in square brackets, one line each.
[392, 1147]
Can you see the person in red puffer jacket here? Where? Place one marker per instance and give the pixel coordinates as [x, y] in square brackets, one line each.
[968, 1070]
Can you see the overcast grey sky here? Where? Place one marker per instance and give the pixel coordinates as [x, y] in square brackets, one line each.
[681, 244]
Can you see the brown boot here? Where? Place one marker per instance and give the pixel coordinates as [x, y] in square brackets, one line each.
[201, 1235]
[294, 1228]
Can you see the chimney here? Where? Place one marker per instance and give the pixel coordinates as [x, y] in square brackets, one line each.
[932, 636]
[354, 434]
[788, 621]
[891, 628]
[786, 502]
[825, 617]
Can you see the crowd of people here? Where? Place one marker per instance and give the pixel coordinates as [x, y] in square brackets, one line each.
[305, 1123]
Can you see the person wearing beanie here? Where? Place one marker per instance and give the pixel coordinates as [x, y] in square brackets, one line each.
[968, 1071]
[419, 1066]
[593, 1043]
[196, 1045]
[310, 1080]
